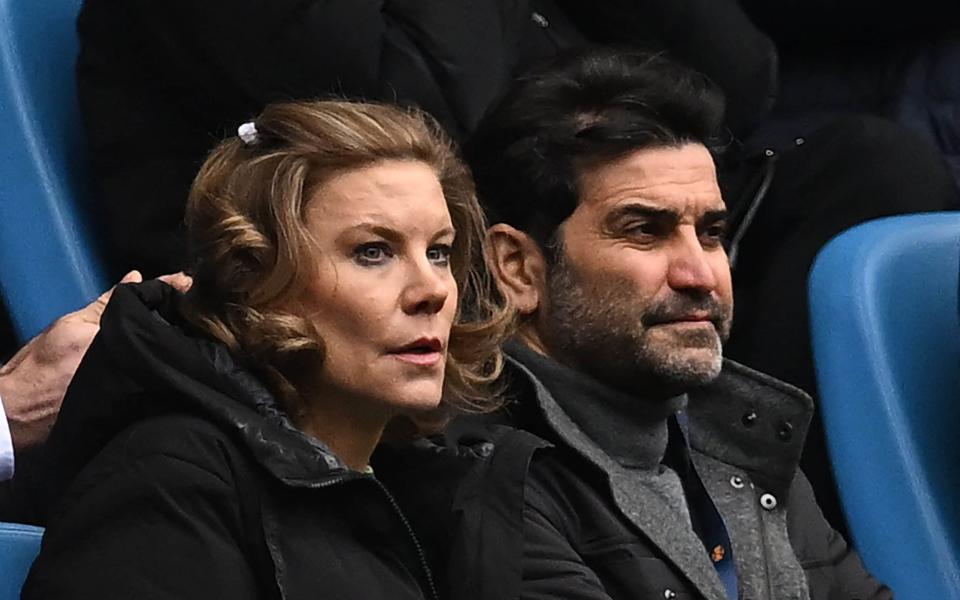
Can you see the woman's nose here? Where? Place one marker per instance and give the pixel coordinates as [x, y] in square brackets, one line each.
[427, 290]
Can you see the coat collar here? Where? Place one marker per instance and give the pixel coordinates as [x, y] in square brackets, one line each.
[753, 422]
[145, 362]
[744, 418]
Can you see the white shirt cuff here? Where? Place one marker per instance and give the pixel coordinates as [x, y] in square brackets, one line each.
[6, 447]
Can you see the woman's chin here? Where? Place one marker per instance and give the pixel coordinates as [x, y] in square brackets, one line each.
[418, 420]
[415, 397]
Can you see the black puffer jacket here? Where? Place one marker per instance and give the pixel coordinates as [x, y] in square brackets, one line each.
[161, 82]
[173, 475]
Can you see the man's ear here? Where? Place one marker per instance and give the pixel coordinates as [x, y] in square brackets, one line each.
[519, 266]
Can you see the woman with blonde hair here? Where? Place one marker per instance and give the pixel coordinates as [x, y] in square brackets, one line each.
[217, 444]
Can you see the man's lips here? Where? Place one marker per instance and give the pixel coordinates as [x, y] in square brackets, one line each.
[690, 318]
[679, 310]
[688, 321]
[423, 352]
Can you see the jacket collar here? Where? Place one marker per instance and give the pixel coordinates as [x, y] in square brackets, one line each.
[744, 418]
[146, 361]
[751, 421]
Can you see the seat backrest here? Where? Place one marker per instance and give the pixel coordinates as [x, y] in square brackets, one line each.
[886, 339]
[19, 545]
[47, 265]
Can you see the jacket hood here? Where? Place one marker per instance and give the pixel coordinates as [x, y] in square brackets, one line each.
[147, 361]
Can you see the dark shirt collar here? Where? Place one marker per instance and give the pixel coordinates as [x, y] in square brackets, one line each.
[631, 429]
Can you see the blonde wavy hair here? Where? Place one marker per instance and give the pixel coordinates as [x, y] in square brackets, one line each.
[253, 253]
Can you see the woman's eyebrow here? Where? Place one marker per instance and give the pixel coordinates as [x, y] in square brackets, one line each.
[444, 232]
[395, 235]
[383, 231]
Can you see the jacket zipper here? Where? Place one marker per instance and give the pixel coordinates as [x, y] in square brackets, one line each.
[413, 537]
[421, 555]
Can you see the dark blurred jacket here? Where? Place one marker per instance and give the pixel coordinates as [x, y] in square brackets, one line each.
[161, 83]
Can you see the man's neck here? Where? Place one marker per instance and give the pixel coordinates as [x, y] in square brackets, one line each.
[654, 389]
[629, 427]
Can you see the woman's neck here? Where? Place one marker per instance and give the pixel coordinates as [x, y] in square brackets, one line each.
[350, 435]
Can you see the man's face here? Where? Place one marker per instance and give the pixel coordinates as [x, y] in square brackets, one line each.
[639, 293]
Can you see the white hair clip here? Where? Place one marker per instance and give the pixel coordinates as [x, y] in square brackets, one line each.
[248, 133]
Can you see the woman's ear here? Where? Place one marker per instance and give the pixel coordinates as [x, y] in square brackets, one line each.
[519, 267]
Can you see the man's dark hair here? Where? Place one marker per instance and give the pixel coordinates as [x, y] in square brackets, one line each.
[579, 110]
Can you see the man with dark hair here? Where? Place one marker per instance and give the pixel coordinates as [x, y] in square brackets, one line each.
[665, 471]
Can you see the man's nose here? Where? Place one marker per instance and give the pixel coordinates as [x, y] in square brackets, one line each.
[426, 290]
[690, 267]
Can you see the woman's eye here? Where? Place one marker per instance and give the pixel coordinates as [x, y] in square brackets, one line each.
[439, 254]
[372, 254]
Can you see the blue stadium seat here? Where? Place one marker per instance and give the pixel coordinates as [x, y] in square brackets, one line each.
[19, 545]
[47, 265]
[886, 339]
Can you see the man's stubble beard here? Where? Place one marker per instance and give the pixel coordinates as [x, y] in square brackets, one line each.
[601, 330]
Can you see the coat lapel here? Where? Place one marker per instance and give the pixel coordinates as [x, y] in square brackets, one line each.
[671, 535]
[643, 507]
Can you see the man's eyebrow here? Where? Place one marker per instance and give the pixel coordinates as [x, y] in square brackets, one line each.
[714, 216]
[636, 209]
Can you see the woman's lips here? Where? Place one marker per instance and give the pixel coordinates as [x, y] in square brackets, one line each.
[423, 359]
[424, 352]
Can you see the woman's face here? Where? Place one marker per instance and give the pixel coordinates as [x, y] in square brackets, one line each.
[384, 297]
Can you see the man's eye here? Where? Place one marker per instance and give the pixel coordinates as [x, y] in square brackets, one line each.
[639, 229]
[439, 254]
[375, 253]
[715, 234]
